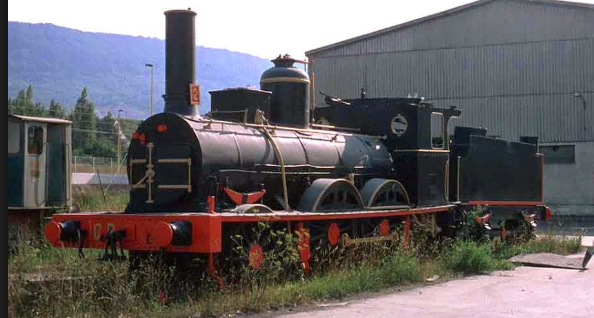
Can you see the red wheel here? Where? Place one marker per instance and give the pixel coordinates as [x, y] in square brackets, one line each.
[384, 228]
[334, 234]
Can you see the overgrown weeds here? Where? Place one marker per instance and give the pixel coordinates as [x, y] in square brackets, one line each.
[470, 257]
[48, 282]
[556, 244]
[95, 201]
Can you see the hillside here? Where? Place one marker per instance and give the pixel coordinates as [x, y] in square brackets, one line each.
[59, 62]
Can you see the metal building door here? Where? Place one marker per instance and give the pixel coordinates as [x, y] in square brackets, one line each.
[35, 165]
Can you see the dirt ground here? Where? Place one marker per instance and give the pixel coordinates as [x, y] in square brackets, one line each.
[528, 292]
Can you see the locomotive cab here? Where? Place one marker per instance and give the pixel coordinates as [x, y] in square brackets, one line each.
[410, 128]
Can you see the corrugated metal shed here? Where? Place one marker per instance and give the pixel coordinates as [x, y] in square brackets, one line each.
[510, 65]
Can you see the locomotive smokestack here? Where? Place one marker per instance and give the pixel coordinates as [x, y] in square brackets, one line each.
[180, 61]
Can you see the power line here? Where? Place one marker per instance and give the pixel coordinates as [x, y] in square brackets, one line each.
[92, 131]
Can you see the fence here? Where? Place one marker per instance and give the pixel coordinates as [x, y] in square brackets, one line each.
[97, 165]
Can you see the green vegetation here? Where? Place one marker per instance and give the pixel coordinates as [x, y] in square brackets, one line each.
[25, 105]
[470, 257]
[562, 245]
[91, 136]
[84, 122]
[114, 201]
[66, 285]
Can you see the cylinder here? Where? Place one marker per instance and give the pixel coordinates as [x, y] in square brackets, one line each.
[180, 59]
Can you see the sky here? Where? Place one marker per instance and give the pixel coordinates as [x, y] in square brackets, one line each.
[264, 28]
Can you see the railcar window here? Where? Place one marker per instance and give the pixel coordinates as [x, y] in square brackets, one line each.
[437, 125]
[35, 137]
[14, 137]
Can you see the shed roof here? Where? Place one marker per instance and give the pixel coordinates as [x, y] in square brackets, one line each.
[443, 14]
[55, 121]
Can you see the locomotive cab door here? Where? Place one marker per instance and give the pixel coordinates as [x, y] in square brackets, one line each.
[35, 165]
[58, 165]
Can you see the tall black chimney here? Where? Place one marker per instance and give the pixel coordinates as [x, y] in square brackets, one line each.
[180, 56]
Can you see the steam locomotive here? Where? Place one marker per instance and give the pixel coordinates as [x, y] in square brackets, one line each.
[352, 172]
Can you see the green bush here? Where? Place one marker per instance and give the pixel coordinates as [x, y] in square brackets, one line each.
[562, 245]
[469, 257]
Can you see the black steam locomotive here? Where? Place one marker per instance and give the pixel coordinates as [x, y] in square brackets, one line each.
[344, 173]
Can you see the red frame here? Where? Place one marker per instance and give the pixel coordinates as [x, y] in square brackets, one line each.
[206, 228]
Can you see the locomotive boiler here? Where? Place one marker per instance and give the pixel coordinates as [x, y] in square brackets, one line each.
[374, 166]
[176, 161]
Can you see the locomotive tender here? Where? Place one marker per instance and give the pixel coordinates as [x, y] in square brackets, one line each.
[363, 176]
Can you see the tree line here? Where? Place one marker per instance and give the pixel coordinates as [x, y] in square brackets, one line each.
[91, 135]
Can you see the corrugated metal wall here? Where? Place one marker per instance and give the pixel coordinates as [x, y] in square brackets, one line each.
[559, 117]
[510, 66]
[498, 22]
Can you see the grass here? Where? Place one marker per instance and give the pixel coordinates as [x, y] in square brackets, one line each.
[556, 244]
[88, 288]
[114, 201]
[38, 257]
[470, 257]
[94, 289]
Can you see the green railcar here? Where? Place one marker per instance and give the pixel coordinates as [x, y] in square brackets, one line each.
[39, 152]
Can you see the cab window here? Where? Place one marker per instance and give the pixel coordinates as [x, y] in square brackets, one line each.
[14, 138]
[35, 137]
[437, 124]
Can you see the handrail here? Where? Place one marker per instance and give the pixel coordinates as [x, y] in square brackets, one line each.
[281, 160]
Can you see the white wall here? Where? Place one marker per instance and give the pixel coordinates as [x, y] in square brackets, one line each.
[569, 188]
[92, 178]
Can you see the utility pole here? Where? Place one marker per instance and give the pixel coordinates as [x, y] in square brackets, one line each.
[119, 132]
[150, 66]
